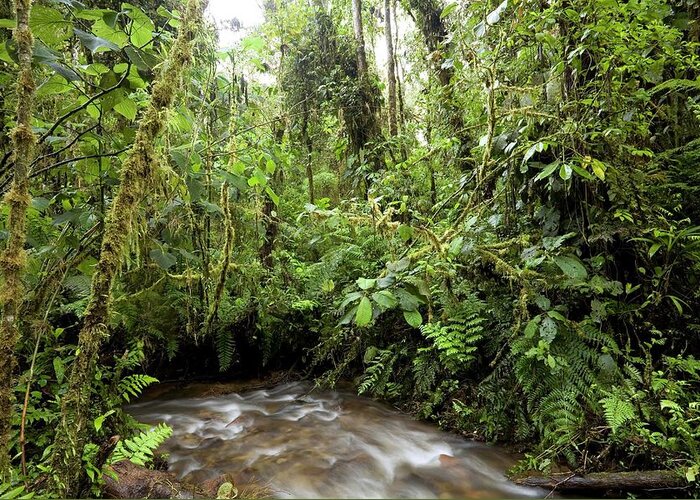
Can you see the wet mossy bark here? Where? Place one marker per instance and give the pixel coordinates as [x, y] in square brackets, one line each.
[136, 173]
[14, 257]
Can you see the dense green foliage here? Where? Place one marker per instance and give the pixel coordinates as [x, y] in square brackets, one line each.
[519, 262]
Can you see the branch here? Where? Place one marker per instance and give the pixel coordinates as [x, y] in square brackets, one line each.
[71, 160]
[85, 104]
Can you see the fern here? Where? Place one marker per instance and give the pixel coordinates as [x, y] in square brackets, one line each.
[225, 348]
[456, 341]
[377, 374]
[133, 385]
[425, 371]
[139, 449]
[617, 410]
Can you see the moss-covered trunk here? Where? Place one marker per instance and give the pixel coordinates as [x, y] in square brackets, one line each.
[14, 257]
[136, 172]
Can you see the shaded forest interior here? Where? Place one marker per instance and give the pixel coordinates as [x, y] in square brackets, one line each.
[486, 213]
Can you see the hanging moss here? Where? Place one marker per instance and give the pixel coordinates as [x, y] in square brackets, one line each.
[13, 260]
[136, 173]
[225, 258]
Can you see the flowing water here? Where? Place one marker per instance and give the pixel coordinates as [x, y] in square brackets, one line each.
[324, 444]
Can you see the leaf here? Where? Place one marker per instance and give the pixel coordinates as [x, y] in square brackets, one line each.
[49, 26]
[571, 266]
[548, 170]
[405, 232]
[273, 196]
[141, 27]
[364, 313]
[531, 327]
[449, 9]
[366, 283]
[59, 369]
[164, 259]
[8, 23]
[495, 15]
[598, 169]
[653, 249]
[385, 298]
[548, 329]
[565, 172]
[94, 43]
[413, 318]
[99, 421]
[127, 108]
[110, 33]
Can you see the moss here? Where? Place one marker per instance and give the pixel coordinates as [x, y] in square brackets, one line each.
[137, 171]
[13, 259]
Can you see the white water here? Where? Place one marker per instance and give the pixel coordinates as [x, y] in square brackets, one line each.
[325, 444]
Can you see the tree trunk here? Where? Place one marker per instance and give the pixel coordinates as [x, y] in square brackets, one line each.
[601, 481]
[137, 170]
[309, 149]
[390, 68]
[13, 260]
[359, 38]
[430, 23]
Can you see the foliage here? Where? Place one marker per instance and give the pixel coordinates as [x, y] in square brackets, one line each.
[519, 262]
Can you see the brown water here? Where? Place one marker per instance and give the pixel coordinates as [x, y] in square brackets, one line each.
[325, 444]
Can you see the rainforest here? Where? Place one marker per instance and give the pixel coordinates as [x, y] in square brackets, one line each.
[445, 227]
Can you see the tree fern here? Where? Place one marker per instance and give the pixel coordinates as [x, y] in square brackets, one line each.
[140, 448]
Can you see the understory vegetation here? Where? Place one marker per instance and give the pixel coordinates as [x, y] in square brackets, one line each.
[484, 212]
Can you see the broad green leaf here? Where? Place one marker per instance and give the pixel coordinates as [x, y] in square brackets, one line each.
[99, 421]
[598, 169]
[571, 266]
[366, 283]
[49, 25]
[94, 43]
[141, 27]
[111, 34]
[548, 329]
[565, 172]
[548, 170]
[364, 312]
[55, 85]
[275, 199]
[413, 318]
[164, 259]
[531, 327]
[127, 108]
[8, 23]
[385, 298]
[405, 232]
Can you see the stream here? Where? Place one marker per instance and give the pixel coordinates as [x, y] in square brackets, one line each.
[300, 443]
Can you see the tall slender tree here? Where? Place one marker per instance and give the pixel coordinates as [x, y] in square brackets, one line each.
[13, 260]
[390, 67]
[137, 171]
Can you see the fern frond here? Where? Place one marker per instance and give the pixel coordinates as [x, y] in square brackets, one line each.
[133, 385]
[139, 449]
